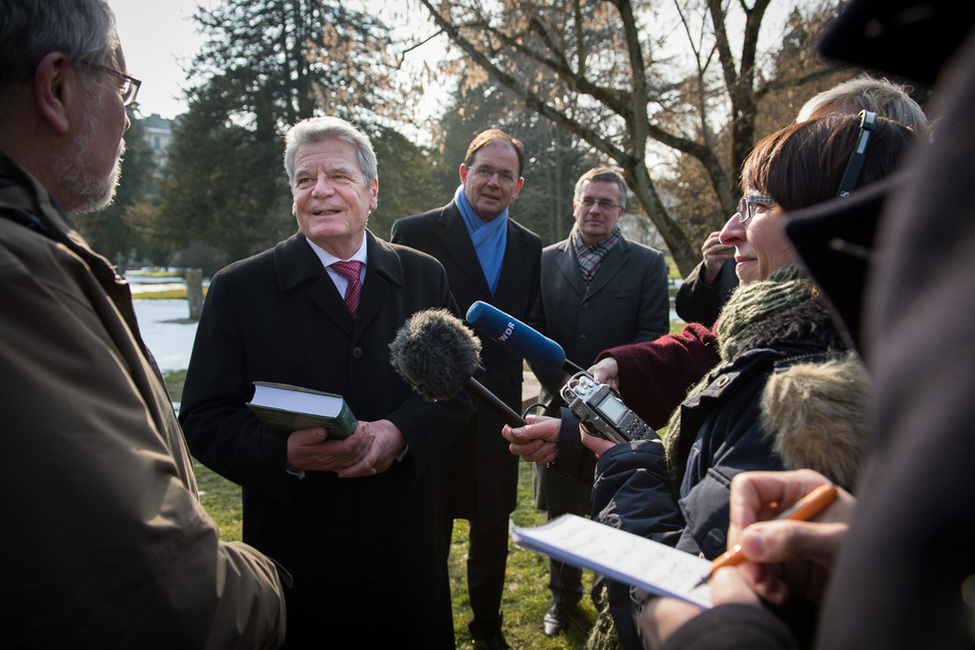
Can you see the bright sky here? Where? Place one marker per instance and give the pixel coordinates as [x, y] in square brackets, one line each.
[159, 40]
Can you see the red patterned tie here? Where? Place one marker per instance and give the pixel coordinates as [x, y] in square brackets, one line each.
[350, 271]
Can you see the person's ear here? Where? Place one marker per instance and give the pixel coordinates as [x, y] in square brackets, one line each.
[463, 173]
[55, 86]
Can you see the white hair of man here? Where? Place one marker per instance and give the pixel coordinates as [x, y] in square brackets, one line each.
[316, 129]
[864, 93]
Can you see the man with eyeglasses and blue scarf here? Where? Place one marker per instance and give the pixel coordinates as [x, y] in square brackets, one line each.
[488, 257]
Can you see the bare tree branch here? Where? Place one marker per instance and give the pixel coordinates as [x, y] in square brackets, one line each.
[542, 50]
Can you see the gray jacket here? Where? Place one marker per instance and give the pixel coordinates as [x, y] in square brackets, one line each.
[626, 302]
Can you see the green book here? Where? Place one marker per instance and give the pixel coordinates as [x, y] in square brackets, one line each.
[285, 408]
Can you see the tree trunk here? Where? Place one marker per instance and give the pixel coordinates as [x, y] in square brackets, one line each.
[194, 291]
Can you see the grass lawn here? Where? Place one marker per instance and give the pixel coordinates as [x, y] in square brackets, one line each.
[526, 595]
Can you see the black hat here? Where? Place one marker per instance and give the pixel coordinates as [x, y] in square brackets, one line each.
[908, 38]
[834, 241]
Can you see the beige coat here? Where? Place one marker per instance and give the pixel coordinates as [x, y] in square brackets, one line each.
[105, 541]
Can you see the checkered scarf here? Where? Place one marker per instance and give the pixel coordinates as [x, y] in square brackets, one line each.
[590, 257]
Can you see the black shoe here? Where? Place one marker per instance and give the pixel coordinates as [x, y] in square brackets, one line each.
[495, 641]
[555, 619]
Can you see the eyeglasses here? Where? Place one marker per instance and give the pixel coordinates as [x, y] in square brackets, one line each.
[486, 173]
[749, 203]
[129, 87]
[605, 204]
[868, 120]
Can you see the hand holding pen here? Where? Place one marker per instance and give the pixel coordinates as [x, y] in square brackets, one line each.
[783, 556]
[786, 555]
[805, 508]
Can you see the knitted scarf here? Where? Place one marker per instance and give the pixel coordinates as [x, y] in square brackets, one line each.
[753, 304]
[590, 257]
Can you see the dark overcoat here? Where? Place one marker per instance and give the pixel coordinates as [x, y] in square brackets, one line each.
[361, 549]
[480, 471]
[626, 302]
[697, 302]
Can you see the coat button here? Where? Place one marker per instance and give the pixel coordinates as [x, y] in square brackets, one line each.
[716, 539]
[357, 352]
[584, 306]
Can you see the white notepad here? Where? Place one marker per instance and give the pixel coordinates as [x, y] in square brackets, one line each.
[620, 556]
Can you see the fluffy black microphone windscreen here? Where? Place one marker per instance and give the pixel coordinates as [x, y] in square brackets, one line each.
[436, 353]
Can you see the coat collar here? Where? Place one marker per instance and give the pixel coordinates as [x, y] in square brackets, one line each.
[457, 241]
[42, 214]
[453, 233]
[296, 263]
[612, 264]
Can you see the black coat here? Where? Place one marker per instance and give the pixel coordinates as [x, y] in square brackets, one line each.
[353, 545]
[696, 302]
[626, 302]
[481, 473]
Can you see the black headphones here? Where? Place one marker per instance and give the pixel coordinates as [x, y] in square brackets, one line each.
[868, 120]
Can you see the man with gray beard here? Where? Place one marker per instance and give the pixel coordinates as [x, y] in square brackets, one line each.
[109, 544]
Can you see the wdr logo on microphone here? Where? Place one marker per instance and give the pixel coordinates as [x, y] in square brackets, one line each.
[508, 331]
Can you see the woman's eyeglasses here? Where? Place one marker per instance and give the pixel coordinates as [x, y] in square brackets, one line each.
[750, 203]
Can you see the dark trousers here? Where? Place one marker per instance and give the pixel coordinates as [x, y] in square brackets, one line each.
[565, 583]
[487, 557]
[559, 495]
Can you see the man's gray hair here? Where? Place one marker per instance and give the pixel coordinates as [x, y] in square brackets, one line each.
[864, 93]
[316, 129]
[83, 30]
[605, 174]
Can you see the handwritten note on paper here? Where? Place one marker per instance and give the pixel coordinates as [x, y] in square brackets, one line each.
[619, 555]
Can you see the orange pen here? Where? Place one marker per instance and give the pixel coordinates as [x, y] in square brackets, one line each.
[803, 509]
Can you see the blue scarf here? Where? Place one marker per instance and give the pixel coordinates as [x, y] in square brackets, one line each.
[489, 238]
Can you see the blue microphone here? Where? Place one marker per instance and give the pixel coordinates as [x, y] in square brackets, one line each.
[507, 330]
